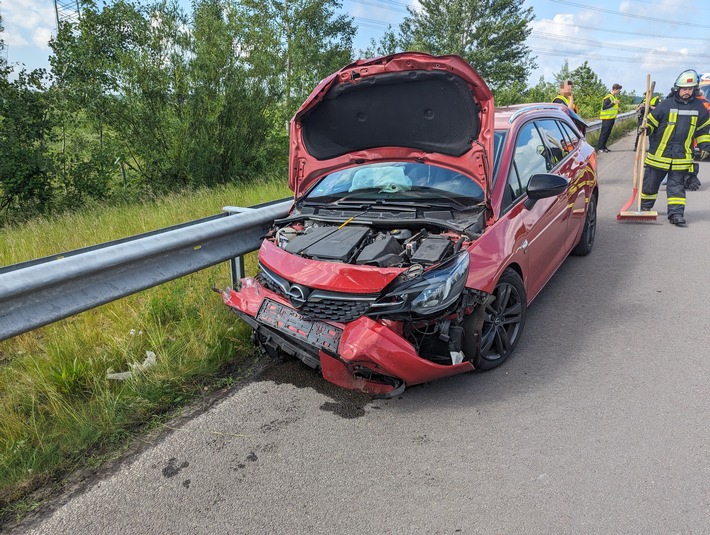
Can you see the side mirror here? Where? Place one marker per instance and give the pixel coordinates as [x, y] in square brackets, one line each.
[543, 186]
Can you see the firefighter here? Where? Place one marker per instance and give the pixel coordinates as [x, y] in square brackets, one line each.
[655, 99]
[608, 113]
[692, 182]
[672, 126]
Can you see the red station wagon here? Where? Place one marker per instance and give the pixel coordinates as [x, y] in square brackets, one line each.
[424, 223]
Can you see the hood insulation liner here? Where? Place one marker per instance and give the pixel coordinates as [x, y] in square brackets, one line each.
[431, 111]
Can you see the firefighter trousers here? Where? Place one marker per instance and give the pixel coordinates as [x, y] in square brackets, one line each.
[675, 189]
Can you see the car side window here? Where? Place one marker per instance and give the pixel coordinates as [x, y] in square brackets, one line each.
[531, 154]
[556, 143]
[572, 138]
[513, 189]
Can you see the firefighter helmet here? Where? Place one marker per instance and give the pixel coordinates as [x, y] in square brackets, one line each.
[687, 78]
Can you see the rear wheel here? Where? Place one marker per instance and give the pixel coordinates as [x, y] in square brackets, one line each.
[503, 323]
[586, 241]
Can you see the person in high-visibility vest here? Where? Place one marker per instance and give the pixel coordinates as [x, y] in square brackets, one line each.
[608, 113]
[565, 96]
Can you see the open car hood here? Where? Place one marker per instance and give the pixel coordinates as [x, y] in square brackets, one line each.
[407, 107]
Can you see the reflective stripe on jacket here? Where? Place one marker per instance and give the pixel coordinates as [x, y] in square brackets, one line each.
[674, 124]
[610, 112]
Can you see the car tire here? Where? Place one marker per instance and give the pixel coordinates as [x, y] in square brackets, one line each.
[586, 241]
[503, 323]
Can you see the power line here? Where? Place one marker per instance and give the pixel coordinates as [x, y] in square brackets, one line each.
[640, 34]
[655, 60]
[390, 6]
[596, 44]
[631, 15]
[381, 23]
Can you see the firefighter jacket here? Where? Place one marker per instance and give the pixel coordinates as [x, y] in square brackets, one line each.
[651, 104]
[674, 124]
[610, 108]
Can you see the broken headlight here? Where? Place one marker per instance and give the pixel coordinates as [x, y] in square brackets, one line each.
[432, 292]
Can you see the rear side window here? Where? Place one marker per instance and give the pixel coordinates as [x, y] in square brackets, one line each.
[572, 138]
[556, 143]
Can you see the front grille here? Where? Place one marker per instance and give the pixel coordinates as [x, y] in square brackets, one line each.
[331, 309]
[320, 304]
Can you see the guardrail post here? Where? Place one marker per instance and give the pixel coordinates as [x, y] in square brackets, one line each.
[236, 265]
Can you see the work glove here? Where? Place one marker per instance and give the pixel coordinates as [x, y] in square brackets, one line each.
[692, 182]
[647, 129]
[704, 155]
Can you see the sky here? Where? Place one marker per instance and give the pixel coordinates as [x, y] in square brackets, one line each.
[623, 40]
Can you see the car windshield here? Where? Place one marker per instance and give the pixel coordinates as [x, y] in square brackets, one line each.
[397, 182]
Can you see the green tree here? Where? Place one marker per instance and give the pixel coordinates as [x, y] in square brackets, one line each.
[564, 74]
[167, 96]
[489, 34]
[589, 90]
[297, 43]
[518, 93]
[388, 44]
[26, 169]
[229, 124]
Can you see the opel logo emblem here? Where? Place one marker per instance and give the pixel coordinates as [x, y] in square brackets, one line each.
[297, 295]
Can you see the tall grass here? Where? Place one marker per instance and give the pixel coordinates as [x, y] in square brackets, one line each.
[58, 410]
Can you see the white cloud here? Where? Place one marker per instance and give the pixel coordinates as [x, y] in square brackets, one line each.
[41, 37]
[14, 39]
[28, 14]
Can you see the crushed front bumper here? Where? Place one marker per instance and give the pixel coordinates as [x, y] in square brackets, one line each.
[364, 355]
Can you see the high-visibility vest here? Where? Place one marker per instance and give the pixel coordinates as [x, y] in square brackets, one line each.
[574, 107]
[563, 99]
[609, 113]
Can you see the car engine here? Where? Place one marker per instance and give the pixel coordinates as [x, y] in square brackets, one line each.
[364, 245]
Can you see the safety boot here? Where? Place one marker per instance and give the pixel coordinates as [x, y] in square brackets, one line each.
[677, 219]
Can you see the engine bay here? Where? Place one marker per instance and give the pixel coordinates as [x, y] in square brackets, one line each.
[366, 245]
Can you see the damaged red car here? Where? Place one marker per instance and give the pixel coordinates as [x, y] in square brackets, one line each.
[424, 223]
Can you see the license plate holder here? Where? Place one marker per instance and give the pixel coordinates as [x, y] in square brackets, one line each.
[287, 320]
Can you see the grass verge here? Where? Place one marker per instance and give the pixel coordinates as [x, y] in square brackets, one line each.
[58, 410]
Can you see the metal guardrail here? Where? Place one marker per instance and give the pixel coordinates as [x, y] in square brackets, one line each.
[593, 126]
[38, 292]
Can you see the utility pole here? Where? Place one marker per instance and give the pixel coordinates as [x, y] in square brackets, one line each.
[3, 46]
[66, 11]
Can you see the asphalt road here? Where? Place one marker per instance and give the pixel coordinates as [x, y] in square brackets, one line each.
[599, 424]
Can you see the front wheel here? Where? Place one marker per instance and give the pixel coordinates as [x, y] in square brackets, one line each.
[503, 321]
[586, 241]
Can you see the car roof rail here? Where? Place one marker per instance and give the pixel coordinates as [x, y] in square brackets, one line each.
[531, 108]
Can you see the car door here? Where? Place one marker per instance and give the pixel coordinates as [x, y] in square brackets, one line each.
[581, 175]
[545, 222]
